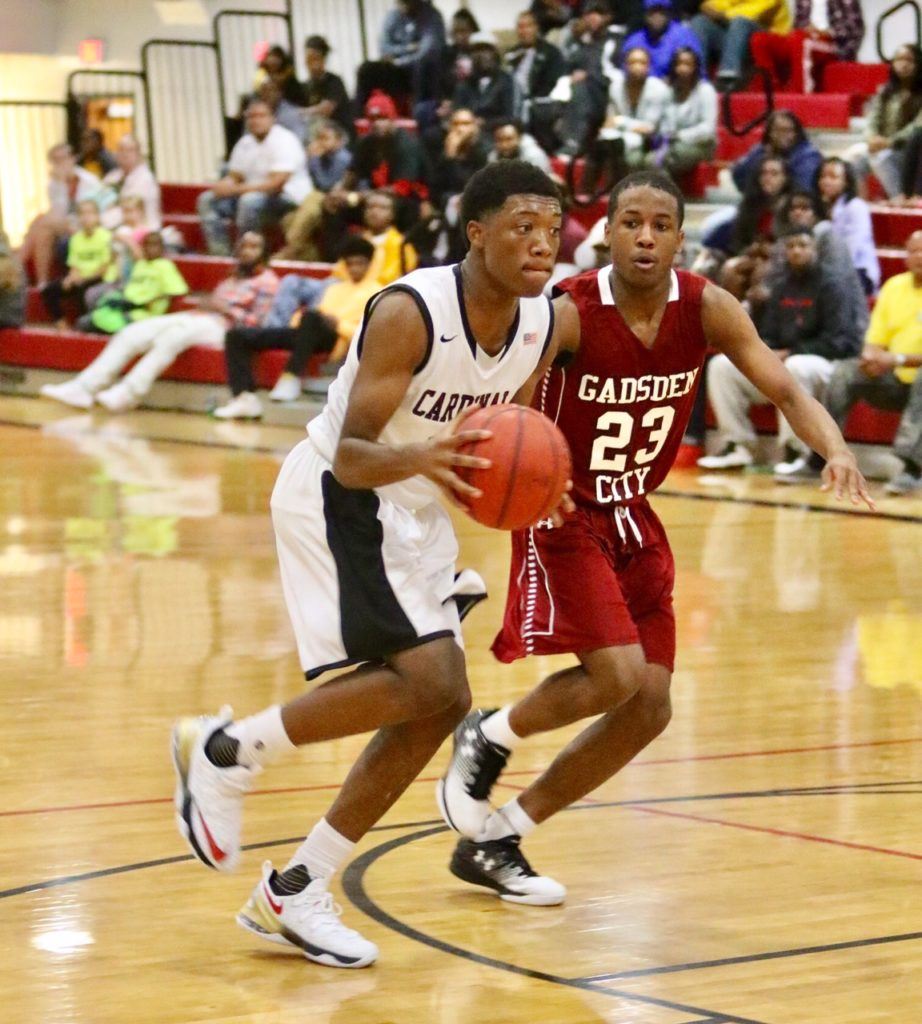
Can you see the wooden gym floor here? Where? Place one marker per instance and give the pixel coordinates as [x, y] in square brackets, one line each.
[761, 862]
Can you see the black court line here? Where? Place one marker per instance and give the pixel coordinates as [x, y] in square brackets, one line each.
[354, 886]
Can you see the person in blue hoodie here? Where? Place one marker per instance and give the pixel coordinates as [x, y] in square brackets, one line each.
[784, 137]
[661, 36]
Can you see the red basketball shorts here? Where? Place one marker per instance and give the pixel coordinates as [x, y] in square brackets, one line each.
[603, 579]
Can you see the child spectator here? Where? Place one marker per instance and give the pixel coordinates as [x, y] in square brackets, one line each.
[153, 282]
[328, 327]
[89, 262]
[94, 157]
[243, 300]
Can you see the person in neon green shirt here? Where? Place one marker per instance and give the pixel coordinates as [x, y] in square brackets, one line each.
[89, 261]
[886, 374]
[153, 282]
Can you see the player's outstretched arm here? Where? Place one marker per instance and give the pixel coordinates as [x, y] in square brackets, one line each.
[393, 346]
[728, 329]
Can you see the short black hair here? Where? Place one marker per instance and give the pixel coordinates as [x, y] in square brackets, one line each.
[799, 192]
[355, 245]
[793, 230]
[317, 43]
[491, 186]
[658, 180]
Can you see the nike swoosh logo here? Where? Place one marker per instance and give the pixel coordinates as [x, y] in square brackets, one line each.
[445, 340]
[277, 907]
[216, 850]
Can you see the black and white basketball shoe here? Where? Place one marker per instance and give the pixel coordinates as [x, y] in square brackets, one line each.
[500, 865]
[463, 792]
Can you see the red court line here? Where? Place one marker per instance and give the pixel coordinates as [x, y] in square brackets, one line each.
[776, 832]
[336, 785]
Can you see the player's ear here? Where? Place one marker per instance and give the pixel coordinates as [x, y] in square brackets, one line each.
[607, 235]
[475, 234]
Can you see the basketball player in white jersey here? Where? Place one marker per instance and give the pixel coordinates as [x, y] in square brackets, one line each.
[367, 554]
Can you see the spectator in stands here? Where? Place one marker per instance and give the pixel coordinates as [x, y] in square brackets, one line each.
[328, 155]
[456, 57]
[243, 300]
[806, 323]
[327, 327]
[89, 261]
[894, 114]
[324, 94]
[388, 156]
[490, 92]
[784, 137]
[133, 177]
[554, 14]
[154, 281]
[12, 287]
[93, 155]
[266, 178]
[68, 185]
[584, 90]
[661, 36]
[724, 28]
[688, 130]
[536, 65]
[393, 256]
[464, 151]
[284, 112]
[512, 142]
[885, 375]
[824, 30]
[411, 44]
[278, 67]
[850, 217]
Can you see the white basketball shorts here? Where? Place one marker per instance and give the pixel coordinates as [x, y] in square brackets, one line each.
[363, 578]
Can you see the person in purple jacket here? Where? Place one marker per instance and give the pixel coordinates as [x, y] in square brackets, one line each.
[661, 36]
[784, 137]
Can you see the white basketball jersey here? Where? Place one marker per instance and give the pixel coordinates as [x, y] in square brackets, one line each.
[454, 374]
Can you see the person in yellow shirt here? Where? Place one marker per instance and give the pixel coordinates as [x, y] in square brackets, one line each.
[89, 261]
[327, 326]
[724, 28]
[394, 256]
[886, 374]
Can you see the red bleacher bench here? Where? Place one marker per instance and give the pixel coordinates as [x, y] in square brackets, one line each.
[893, 225]
[815, 110]
[858, 80]
[178, 198]
[866, 425]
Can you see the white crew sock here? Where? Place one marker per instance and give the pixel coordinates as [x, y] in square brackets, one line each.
[262, 737]
[497, 729]
[508, 820]
[323, 852]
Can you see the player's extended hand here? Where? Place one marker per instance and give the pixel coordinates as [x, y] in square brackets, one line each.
[439, 459]
[842, 476]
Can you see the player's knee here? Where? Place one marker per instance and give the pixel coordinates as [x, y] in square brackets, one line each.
[614, 678]
[655, 701]
[435, 678]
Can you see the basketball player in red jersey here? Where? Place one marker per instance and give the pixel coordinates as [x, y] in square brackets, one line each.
[631, 340]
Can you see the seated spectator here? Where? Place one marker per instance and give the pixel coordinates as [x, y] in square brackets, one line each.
[463, 152]
[266, 178]
[456, 62]
[278, 67]
[894, 114]
[885, 375]
[805, 321]
[661, 36]
[850, 217]
[688, 131]
[284, 112]
[89, 261]
[132, 176]
[784, 137]
[490, 91]
[328, 326]
[512, 142]
[328, 155]
[554, 14]
[824, 30]
[153, 282]
[411, 45]
[725, 26]
[393, 256]
[242, 300]
[536, 65]
[93, 155]
[12, 287]
[324, 95]
[68, 185]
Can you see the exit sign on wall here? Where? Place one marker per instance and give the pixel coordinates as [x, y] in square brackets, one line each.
[91, 51]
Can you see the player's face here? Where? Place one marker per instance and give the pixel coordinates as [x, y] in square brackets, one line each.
[519, 242]
[644, 236]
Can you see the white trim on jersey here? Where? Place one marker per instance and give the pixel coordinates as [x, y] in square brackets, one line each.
[608, 298]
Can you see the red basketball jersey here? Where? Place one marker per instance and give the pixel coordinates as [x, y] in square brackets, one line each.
[623, 407]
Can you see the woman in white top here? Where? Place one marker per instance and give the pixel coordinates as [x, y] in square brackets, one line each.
[688, 131]
[851, 218]
[636, 102]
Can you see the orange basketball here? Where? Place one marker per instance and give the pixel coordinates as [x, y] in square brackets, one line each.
[531, 466]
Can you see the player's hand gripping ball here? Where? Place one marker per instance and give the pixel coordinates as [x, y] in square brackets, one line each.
[530, 468]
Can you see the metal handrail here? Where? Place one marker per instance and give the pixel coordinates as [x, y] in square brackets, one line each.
[887, 13]
[727, 107]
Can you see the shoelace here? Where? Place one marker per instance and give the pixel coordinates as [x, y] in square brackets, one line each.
[491, 763]
[325, 909]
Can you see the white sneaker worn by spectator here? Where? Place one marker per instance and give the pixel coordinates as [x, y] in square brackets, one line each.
[733, 456]
[287, 388]
[245, 406]
[118, 398]
[69, 392]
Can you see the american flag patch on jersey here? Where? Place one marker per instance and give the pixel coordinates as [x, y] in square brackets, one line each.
[529, 338]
